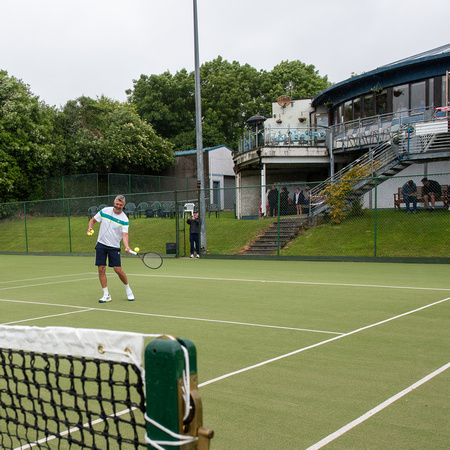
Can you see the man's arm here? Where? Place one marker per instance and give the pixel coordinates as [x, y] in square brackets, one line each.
[91, 224]
[125, 242]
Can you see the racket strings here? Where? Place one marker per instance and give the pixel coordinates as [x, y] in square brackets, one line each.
[152, 260]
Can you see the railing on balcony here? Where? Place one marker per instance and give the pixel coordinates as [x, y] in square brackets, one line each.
[288, 136]
[373, 130]
[365, 132]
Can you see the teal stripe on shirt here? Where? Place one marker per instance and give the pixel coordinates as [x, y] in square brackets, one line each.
[114, 219]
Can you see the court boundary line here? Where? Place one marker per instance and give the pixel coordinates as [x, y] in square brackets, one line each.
[46, 278]
[295, 282]
[338, 433]
[318, 344]
[165, 316]
[312, 283]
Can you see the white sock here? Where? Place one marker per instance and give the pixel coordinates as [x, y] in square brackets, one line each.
[105, 291]
[127, 288]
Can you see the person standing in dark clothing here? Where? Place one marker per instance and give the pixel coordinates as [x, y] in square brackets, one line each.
[273, 201]
[194, 234]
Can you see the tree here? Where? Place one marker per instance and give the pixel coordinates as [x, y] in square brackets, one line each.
[26, 140]
[231, 93]
[306, 79]
[104, 136]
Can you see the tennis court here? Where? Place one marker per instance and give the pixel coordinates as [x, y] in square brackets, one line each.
[291, 354]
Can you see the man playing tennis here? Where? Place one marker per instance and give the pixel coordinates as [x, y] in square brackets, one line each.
[113, 228]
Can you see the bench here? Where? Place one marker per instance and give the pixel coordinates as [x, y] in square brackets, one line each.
[398, 197]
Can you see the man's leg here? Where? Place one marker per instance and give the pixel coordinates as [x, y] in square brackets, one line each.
[102, 276]
[425, 201]
[104, 284]
[192, 241]
[406, 197]
[122, 275]
[414, 201]
[197, 244]
[432, 199]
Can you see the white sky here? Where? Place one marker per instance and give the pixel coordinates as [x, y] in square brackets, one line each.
[67, 48]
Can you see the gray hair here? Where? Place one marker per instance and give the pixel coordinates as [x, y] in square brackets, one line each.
[120, 198]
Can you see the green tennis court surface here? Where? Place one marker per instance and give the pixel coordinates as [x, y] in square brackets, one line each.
[290, 354]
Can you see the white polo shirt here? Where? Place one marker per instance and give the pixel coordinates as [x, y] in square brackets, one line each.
[112, 226]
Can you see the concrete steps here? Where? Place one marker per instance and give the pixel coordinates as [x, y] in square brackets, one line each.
[267, 243]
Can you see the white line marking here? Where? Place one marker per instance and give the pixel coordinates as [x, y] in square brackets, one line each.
[318, 344]
[46, 284]
[47, 317]
[46, 278]
[312, 283]
[167, 317]
[377, 409]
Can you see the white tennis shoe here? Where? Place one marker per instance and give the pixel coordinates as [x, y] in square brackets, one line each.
[130, 295]
[105, 298]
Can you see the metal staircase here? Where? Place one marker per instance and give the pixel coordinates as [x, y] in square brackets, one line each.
[420, 141]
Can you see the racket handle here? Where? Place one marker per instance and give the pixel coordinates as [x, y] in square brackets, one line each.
[133, 252]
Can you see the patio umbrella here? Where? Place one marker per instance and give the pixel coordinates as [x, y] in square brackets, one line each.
[256, 119]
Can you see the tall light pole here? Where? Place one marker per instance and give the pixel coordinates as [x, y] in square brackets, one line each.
[198, 127]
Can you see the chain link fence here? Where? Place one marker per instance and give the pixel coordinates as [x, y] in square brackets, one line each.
[373, 225]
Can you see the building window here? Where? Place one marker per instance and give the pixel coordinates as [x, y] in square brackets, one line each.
[400, 100]
[445, 83]
[322, 120]
[381, 102]
[368, 106]
[348, 111]
[356, 108]
[430, 101]
[418, 96]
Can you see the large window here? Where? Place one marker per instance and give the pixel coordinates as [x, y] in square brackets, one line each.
[430, 92]
[400, 101]
[445, 94]
[348, 111]
[418, 96]
[356, 108]
[368, 105]
[381, 102]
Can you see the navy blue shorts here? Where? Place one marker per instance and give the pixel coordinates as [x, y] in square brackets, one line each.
[102, 251]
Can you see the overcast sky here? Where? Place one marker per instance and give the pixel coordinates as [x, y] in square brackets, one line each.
[67, 48]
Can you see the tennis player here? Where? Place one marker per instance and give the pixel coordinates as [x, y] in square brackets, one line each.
[114, 225]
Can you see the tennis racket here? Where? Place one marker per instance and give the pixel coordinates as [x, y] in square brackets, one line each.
[150, 259]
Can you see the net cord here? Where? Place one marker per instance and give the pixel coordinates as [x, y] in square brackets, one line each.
[183, 439]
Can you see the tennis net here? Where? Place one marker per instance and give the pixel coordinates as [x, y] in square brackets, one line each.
[82, 388]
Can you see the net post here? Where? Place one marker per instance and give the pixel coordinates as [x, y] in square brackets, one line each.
[164, 366]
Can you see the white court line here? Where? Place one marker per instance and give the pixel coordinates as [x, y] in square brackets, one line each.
[46, 284]
[312, 283]
[229, 322]
[318, 344]
[46, 278]
[46, 317]
[377, 409]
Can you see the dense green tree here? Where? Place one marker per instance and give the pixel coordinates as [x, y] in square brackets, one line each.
[306, 79]
[104, 136]
[26, 140]
[231, 93]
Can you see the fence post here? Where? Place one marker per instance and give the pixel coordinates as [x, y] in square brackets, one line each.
[279, 222]
[70, 233]
[376, 219]
[25, 219]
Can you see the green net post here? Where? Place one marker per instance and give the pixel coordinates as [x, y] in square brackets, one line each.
[164, 365]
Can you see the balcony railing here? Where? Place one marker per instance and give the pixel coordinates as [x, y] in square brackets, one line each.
[289, 136]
